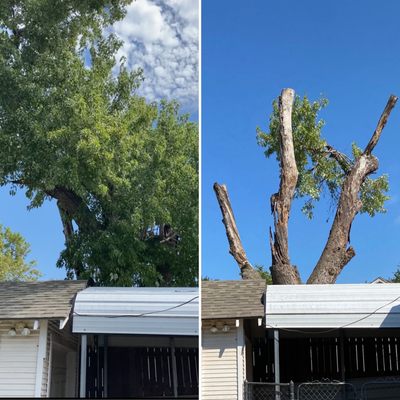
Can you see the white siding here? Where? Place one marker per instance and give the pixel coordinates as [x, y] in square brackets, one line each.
[333, 306]
[219, 375]
[151, 311]
[18, 355]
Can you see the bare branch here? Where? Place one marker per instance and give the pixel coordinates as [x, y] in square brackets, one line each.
[343, 161]
[282, 271]
[381, 124]
[337, 252]
[235, 244]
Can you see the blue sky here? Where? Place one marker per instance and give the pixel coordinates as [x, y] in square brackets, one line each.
[346, 51]
[161, 37]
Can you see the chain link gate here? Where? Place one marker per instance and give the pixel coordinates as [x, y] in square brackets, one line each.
[326, 391]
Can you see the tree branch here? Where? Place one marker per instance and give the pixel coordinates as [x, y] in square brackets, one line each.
[337, 252]
[282, 271]
[235, 244]
[381, 124]
[75, 208]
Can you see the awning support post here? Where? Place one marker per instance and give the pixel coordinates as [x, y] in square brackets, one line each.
[82, 386]
[277, 365]
[174, 369]
[105, 370]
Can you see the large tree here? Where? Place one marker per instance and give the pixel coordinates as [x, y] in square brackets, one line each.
[308, 166]
[122, 171]
[14, 265]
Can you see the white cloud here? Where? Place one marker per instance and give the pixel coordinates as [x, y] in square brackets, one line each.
[161, 37]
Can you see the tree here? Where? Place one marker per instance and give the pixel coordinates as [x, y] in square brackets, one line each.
[13, 252]
[72, 129]
[309, 165]
[396, 276]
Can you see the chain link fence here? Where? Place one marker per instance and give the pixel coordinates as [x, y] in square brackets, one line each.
[269, 391]
[326, 391]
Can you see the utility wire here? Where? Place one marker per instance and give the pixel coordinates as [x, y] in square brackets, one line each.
[138, 315]
[335, 329]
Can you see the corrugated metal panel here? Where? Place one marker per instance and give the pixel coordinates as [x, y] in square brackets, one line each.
[147, 311]
[219, 375]
[333, 306]
[18, 356]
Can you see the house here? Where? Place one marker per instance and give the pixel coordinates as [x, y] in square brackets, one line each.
[63, 339]
[38, 352]
[230, 310]
[314, 341]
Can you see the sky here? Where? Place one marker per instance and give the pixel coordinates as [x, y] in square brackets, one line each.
[348, 52]
[161, 37]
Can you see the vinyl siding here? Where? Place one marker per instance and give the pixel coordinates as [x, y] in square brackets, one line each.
[18, 355]
[46, 365]
[219, 372]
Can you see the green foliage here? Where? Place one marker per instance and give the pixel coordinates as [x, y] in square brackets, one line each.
[318, 171]
[265, 274]
[373, 191]
[13, 252]
[71, 122]
[396, 276]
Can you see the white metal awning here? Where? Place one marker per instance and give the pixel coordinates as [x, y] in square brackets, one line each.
[333, 306]
[144, 311]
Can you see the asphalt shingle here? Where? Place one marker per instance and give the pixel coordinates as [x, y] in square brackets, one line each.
[36, 300]
[232, 299]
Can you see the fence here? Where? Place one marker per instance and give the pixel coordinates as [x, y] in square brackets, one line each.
[269, 391]
[326, 391]
[323, 390]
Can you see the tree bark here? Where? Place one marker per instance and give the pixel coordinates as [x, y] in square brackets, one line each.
[75, 208]
[235, 244]
[282, 271]
[337, 252]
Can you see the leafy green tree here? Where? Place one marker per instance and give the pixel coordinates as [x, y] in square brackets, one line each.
[13, 252]
[124, 172]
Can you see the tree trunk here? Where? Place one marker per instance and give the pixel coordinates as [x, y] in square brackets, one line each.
[282, 271]
[235, 244]
[337, 252]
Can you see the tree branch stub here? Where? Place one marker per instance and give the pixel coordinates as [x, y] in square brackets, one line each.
[235, 244]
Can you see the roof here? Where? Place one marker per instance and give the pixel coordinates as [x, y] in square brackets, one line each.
[38, 300]
[148, 311]
[232, 299]
[333, 306]
[379, 279]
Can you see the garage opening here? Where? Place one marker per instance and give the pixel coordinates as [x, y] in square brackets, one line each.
[142, 367]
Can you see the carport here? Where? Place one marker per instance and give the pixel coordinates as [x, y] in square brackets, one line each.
[138, 342]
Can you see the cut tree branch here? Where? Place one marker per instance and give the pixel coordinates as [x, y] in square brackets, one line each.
[235, 244]
[381, 124]
[337, 252]
[282, 271]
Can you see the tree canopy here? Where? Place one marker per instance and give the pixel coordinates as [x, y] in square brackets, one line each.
[320, 171]
[13, 253]
[123, 171]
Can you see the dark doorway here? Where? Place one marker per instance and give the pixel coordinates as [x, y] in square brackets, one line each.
[142, 367]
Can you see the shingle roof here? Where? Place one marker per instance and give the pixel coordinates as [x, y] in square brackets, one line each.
[36, 300]
[232, 299]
